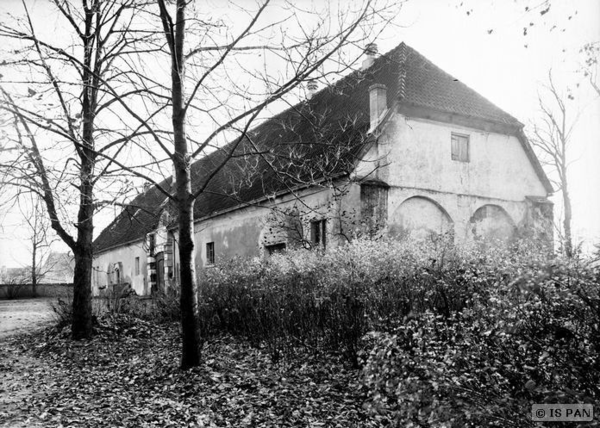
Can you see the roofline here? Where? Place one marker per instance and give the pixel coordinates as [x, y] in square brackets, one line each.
[225, 211]
[438, 115]
[266, 198]
[120, 244]
[535, 162]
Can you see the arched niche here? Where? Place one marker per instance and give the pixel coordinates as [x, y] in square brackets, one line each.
[421, 217]
[492, 223]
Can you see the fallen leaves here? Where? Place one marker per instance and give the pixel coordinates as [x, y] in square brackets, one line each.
[128, 376]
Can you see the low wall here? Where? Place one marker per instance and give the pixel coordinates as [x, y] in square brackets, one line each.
[20, 291]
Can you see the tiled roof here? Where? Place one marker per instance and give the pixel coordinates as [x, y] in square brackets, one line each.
[134, 222]
[314, 140]
[429, 86]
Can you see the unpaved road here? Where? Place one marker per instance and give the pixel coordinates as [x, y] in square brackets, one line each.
[16, 368]
[24, 316]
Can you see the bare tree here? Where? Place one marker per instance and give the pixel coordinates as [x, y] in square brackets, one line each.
[551, 136]
[69, 94]
[39, 238]
[591, 52]
[217, 84]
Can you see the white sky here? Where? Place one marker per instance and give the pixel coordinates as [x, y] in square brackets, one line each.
[499, 66]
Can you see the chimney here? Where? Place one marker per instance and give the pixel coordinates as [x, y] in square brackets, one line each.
[371, 53]
[377, 103]
[312, 88]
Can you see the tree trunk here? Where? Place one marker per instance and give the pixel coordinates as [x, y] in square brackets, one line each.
[190, 355]
[568, 240]
[190, 340]
[81, 327]
[82, 278]
[33, 270]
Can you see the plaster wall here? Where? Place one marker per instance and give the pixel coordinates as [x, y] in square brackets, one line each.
[245, 232]
[458, 208]
[104, 262]
[416, 153]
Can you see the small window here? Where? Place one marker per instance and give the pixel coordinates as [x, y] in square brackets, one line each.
[318, 233]
[460, 148]
[137, 265]
[210, 253]
[275, 248]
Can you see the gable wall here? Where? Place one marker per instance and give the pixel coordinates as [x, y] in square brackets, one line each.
[418, 153]
[430, 192]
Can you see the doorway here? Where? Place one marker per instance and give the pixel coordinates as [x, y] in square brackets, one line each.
[160, 272]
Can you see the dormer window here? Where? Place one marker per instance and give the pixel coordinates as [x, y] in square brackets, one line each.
[460, 148]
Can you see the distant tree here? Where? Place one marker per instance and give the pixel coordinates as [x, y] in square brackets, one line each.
[39, 238]
[551, 135]
[69, 94]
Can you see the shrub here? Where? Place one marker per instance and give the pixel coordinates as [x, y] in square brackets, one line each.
[533, 338]
[63, 311]
[456, 337]
[165, 307]
[331, 300]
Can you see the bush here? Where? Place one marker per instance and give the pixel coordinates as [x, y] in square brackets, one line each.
[63, 311]
[530, 338]
[165, 307]
[330, 300]
[446, 336]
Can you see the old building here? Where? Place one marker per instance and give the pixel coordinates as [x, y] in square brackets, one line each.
[398, 147]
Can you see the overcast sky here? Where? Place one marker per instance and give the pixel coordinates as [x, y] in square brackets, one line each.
[482, 44]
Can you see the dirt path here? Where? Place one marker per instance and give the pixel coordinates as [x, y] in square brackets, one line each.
[24, 316]
[19, 317]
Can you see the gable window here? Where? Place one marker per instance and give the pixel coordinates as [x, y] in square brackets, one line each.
[275, 248]
[210, 253]
[318, 233]
[460, 148]
[137, 265]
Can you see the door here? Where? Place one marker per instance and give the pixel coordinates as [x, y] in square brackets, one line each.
[160, 272]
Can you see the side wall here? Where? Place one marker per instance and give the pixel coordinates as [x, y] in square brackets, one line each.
[125, 258]
[246, 232]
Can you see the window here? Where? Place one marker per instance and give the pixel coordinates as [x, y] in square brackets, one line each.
[275, 248]
[318, 233]
[137, 265]
[210, 253]
[460, 148]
